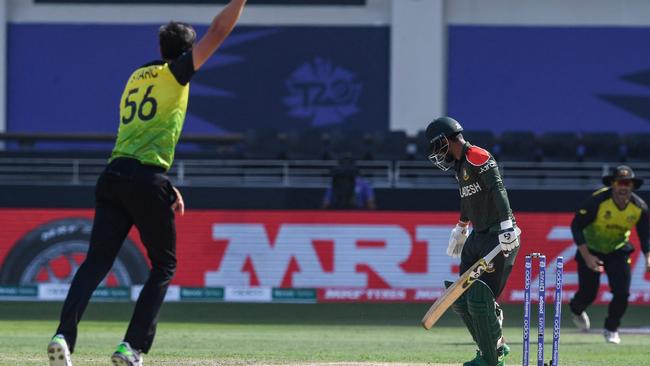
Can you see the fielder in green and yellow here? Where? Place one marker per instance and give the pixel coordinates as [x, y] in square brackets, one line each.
[601, 229]
[134, 190]
[483, 204]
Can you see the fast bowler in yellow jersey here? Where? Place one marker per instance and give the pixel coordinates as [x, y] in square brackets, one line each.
[134, 188]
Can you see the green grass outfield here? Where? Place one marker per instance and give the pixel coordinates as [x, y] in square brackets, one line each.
[293, 334]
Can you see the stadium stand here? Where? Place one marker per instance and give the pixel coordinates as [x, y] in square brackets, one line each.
[559, 146]
[391, 145]
[602, 146]
[265, 144]
[554, 160]
[637, 147]
[309, 145]
[519, 146]
[484, 139]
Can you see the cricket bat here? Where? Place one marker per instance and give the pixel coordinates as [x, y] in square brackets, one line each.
[457, 289]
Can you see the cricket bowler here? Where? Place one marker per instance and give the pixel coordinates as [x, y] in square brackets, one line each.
[483, 205]
[134, 189]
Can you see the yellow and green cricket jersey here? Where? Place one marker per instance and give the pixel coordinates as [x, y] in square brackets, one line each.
[152, 112]
[605, 228]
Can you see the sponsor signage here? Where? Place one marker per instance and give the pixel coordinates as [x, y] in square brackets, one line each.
[173, 293]
[378, 295]
[52, 291]
[112, 293]
[202, 294]
[248, 294]
[294, 295]
[297, 256]
[19, 292]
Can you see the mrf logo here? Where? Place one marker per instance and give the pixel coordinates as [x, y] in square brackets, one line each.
[322, 92]
[329, 255]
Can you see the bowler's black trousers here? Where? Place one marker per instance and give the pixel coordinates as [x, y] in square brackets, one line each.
[617, 267]
[127, 193]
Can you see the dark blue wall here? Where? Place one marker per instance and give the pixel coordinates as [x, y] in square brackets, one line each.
[550, 78]
[69, 78]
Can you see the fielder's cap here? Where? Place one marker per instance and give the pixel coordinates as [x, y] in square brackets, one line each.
[622, 172]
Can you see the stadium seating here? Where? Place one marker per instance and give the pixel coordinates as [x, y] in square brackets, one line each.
[637, 146]
[559, 146]
[320, 144]
[602, 146]
[311, 144]
[484, 139]
[266, 144]
[519, 146]
[391, 145]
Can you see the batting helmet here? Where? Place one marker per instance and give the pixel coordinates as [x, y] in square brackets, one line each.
[438, 133]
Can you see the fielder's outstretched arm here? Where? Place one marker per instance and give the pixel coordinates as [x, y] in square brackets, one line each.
[219, 30]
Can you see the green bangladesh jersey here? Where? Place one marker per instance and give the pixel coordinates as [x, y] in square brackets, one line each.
[152, 111]
[483, 198]
[604, 227]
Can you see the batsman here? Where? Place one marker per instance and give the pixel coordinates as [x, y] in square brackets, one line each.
[484, 205]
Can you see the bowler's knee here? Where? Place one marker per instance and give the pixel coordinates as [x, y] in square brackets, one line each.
[164, 270]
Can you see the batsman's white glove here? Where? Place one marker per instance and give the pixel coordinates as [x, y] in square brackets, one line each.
[457, 240]
[508, 236]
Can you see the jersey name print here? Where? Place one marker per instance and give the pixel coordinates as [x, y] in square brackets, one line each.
[152, 112]
[148, 73]
[483, 199]
[466, 191]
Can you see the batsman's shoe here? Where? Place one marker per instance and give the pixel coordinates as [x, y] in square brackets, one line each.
[476, 360]
[58, 352]
[503, 351]
[479, 361]
[126, 356]
[581, 321]
[611, 337]
[499, 312]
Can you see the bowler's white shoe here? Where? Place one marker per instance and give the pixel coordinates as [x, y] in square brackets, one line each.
[582, 321]
[58, 352]
[126, 356]
[611, 337]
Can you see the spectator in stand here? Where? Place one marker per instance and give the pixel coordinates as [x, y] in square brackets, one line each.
[348, 190]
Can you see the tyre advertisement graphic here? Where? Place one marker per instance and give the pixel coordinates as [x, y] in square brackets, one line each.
[295, 256]
[52, 251]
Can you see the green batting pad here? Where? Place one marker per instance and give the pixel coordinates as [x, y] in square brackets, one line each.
[482, 310]
[461, 308]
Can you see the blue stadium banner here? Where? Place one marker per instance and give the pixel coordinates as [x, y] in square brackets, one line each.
[284, 78]
[586, 79]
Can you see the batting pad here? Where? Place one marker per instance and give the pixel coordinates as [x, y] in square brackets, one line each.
[482, 310]
[461, 308]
